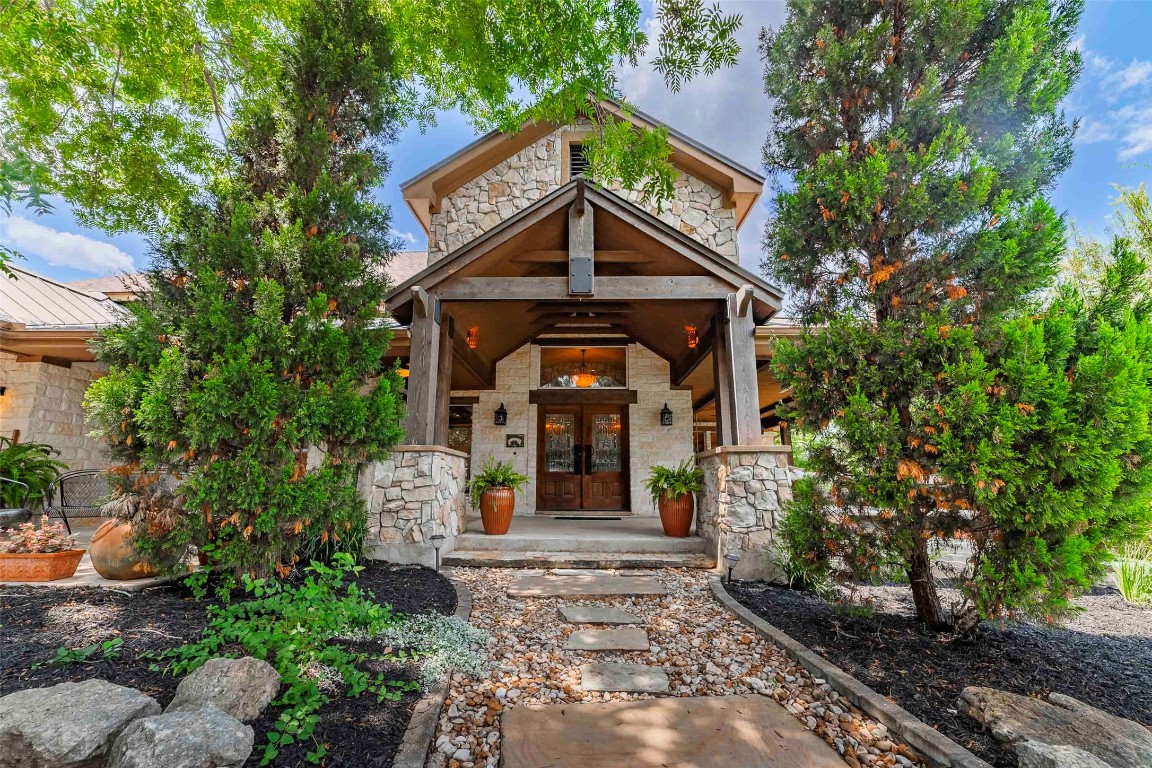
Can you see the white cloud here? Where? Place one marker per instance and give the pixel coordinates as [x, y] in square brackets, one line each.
[65, 249]
[1136, 138]
[1127, 124]
[1094, 131]
[407, 237]
[1137, 73]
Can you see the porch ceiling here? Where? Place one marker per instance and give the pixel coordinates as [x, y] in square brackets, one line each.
[511, 285]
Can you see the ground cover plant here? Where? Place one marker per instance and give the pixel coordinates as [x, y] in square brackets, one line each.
[952, 389]
[57, 635]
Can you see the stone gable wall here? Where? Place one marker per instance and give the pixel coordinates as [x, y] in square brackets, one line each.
[532, 173]
[45, 403]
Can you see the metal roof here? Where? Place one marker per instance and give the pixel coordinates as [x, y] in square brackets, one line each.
[39, 303]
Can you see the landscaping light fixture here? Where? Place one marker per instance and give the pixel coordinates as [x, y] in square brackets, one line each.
[665, 416]
[731, 558]
[501, 419]
[437, 542]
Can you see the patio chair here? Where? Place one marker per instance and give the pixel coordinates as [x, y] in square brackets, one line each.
[10, 517]
[80, 493]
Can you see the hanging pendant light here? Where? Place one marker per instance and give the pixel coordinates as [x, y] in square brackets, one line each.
[584, 378]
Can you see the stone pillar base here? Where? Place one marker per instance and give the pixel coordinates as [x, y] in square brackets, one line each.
[414, 494]
[745, 488]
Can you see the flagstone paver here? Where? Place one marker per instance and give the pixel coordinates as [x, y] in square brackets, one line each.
[529, 585]
[623, 677]
[630, 639]
[597, 614]
[749, 731]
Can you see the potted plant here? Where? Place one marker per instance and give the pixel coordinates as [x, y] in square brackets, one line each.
[30, 468]
[28, 553]
[145, 507]
[673, 491]
[493, 491]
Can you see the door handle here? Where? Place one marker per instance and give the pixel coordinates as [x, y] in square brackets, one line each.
[589, 466]
[577, 455]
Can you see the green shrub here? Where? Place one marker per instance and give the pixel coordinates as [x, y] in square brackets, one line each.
[494, 474]
[681, 480]
[30, 463]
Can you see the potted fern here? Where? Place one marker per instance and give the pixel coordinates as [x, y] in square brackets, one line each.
[493, 491]
[673, 491]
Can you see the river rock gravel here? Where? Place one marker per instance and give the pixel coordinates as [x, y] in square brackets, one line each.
[702, 647]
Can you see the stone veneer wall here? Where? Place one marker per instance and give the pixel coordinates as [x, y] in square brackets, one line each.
[696, 208]
[414, 494]
[650, 443]
[45, 403]
[745, 488]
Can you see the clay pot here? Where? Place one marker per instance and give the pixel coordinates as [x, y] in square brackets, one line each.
[676, 514]
[113, 555]
[40, 567]
[496, 505]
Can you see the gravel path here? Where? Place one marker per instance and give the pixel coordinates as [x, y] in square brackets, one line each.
[702, 647]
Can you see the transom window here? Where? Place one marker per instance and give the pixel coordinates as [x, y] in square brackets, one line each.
[583, 367]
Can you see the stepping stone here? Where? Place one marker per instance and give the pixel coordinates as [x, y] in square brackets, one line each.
[526, 585]
[623, 677]
[607, 640]
[597, 614]
[690, 732]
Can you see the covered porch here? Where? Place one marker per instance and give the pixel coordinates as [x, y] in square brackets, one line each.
[580, 271]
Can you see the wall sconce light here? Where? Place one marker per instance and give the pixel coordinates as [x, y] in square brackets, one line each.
[501, 416]
[437, 542]
[731, 559]
[693, 339]
[665, 416]
[473, 337]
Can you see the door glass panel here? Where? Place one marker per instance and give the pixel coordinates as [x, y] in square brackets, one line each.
[559, 439]
[606, 442]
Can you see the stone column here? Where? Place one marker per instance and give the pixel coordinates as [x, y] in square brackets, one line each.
[745, 488]
[414, 494]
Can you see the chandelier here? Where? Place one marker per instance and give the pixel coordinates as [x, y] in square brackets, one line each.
[584, 377]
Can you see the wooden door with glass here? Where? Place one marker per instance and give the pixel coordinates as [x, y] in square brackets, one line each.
[582, 458]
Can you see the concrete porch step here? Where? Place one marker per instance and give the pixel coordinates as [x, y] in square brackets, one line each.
[535, 534]
[596, 560]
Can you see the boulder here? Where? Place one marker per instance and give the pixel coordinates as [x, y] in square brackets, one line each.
[204, 737]
[1060, 721]
[1033, 754]
[240, 687]
[70, 725]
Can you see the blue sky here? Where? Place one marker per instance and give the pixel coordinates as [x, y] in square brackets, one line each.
[729, 112]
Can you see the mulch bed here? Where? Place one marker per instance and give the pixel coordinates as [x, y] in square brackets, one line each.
[1103, 657]
[35, 621]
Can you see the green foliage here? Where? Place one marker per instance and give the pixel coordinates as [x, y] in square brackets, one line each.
[1134, 572]
[441, 644]
[120, 110]
[252, 376]
[298, 630]
[682, 480]
[494, 474]
[945, 399]
[89, 654]
[30, 463]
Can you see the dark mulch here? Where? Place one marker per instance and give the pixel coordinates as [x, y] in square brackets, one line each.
[34, 622]
[1103, 658]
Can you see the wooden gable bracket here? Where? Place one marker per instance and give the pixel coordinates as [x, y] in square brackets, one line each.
[744, 299]
[580, 245]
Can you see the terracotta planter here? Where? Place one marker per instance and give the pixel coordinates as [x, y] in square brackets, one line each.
[496, 505]
[676, 514]
[113, 555]
[40, 567]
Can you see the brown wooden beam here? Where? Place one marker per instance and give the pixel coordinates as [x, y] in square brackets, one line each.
[589, 396]
[581, 306]
[424, 366]
[627, 288]
[601, 257]
[581, 274]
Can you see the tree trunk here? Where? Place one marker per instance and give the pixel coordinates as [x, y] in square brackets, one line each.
[924, 595]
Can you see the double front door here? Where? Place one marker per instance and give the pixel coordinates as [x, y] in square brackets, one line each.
[582, 458]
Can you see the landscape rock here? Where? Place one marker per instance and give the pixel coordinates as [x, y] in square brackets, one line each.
[70, 725]
[204, 737]
[1061, 721]
[1033, 754]
[240, 687]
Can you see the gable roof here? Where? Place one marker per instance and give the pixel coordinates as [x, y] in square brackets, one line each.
[423, 193]
[766, 296]
[37, 302]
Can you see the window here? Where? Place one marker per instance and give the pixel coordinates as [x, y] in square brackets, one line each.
[583, 367]
[577, 160]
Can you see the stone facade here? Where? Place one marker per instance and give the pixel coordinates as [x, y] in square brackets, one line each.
[414, 494]
[696, 209]
[649, 443]
[45, 404]
[745, 488]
